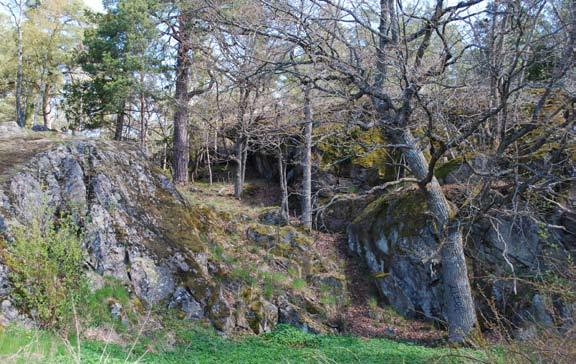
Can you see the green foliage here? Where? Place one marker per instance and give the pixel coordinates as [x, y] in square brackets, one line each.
[285, 345]
[29, 345]
[95, 309]
[51, 33]
[45, 260]
[289, 336]
[118, 54]
[244, 274]
[299, 284]
[273, 282]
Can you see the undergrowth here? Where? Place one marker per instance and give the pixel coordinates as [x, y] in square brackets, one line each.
[196, 345]
[46, 269]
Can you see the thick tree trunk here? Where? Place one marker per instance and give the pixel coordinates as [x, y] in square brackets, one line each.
[458, 303]
[307, 162]
[181, 155]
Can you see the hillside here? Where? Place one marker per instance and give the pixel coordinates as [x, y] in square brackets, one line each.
[156, 260]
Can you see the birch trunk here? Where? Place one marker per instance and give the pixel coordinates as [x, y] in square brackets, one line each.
[46, 106]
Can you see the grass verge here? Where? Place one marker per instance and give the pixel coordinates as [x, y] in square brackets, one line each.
[285, 345]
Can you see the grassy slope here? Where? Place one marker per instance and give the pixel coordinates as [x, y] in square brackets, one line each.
[285, 345]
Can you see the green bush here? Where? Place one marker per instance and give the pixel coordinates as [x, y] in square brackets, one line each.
[45, 260]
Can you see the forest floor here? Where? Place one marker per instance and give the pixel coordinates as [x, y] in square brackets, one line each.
[365, 315]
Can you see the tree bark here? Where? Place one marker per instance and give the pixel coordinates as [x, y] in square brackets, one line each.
[181, 154]
[307, 162]
[244, 159]
[209, 165]
[118, 134]
[239, 151]
[284, 212]
[20, 114]
[46, 106]
[458, 303]
[240, 143]
[457, 295]
[142, 114]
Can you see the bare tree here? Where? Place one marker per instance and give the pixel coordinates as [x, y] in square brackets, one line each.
[307, 160]
[415, 65]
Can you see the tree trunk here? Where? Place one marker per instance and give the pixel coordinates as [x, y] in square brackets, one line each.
[20, 114]
[118, 134]
[209, 165]
[181, 155]
[239, 148]
[240, 144]
[46, 106]
[458, 303]
[244, 159]
[307, 162]
[284, 212]
[142, 114]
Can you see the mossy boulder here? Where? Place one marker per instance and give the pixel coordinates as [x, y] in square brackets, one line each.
[397, 240]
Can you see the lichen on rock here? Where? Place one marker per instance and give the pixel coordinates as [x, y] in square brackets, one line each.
[167, 249]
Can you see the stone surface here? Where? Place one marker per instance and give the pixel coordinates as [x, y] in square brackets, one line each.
[9, 129]
[124, 209]
[396, 239]
[166, 250]
[401, 253]
[272, 217]
[40, 128]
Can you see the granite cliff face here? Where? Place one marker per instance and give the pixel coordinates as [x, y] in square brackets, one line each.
[509, 260]
[138, 229]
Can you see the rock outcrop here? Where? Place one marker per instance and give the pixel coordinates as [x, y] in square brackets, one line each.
[138, 229]
[396, 238]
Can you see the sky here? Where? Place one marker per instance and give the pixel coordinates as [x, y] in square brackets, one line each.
[94, 4]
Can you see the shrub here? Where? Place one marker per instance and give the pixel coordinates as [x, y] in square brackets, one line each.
[45, 260]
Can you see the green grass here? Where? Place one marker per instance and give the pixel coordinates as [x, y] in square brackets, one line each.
[285, 345]
[299, 284]
[96, 305]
